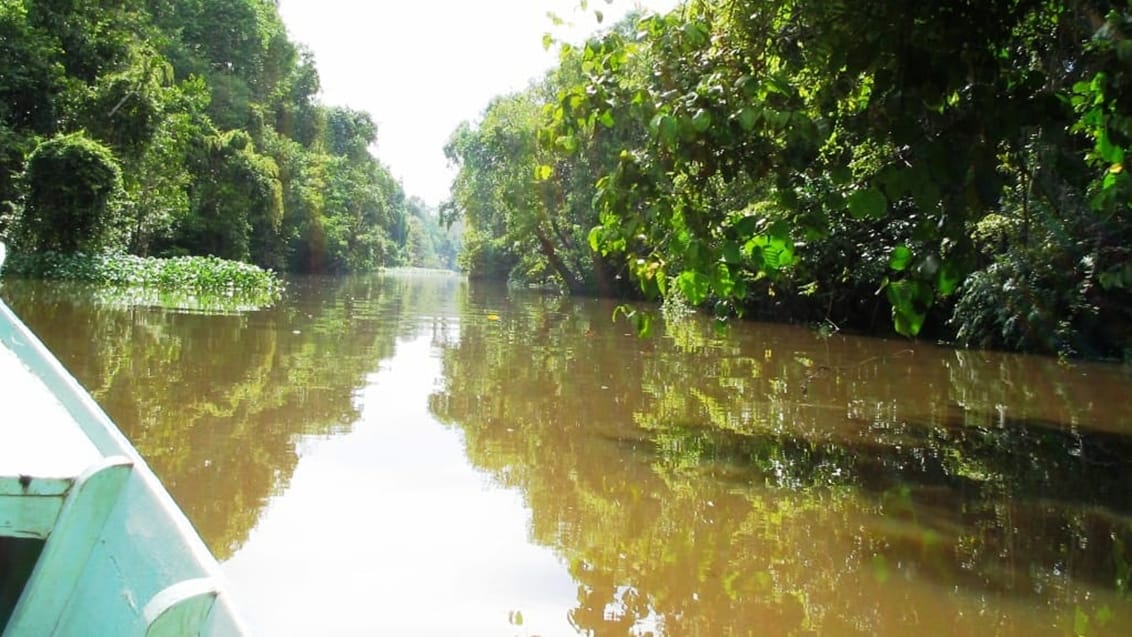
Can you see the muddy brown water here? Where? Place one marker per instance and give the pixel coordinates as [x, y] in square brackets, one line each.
[416, 454]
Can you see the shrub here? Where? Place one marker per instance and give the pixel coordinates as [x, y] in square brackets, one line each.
[73, 184]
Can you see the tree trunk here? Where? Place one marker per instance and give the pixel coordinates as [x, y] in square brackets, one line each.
[575, 286]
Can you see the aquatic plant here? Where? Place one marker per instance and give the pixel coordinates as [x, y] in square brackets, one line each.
[187, 274]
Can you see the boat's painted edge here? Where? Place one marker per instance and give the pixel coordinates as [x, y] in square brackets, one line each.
[179, 608]
[62, 562]
[111, 443]
[98, 427]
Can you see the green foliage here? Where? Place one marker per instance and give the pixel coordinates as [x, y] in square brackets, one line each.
[33, 76]
[526, 192]
[797, 158]
[349, 133]
[73, 183]
[211, 114]
[208, 275]
[495, 189]
[428, 244]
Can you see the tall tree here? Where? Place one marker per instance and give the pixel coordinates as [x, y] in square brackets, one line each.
[211, 116]
[521, 222]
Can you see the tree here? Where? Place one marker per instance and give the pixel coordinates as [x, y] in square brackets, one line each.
[486, 251]
[211, 112]
[428, 245]
[349, 133]
[518, 222]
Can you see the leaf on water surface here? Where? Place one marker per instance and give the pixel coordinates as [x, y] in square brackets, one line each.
[1080, 622]
[880, 568]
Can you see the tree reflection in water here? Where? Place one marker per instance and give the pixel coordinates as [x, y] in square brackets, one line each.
[772, 481]
[215, 402]
[763, 481]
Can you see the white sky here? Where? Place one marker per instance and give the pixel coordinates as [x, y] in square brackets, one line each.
[420, 67]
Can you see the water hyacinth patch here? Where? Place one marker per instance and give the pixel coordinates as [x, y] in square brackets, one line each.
[204, 275]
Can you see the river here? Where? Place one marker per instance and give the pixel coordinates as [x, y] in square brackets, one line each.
[414, 454]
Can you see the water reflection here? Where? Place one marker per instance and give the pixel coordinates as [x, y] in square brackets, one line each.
[387, 530]
[764, 481]
[215, 402]
[775, 481]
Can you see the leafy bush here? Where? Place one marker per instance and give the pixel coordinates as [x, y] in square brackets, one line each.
[1018, 303]
[72, 185]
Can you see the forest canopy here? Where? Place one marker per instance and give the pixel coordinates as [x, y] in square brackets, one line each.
[191, 127]
[954, 169]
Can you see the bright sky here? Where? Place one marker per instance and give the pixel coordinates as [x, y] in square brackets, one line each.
[420, 67]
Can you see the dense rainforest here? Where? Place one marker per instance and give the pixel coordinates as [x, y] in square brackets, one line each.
[953, 169]
[191, 127]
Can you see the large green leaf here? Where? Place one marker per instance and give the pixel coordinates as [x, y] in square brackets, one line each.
[1110, 152]
[732, 253]
[697, 33]
[667, 128]
[901, 255]
[910, 302]
[868, 204]
[694, 285]
[948, 278]
[722, 280]
[595, 237]
[783, 250]
[747, 118]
